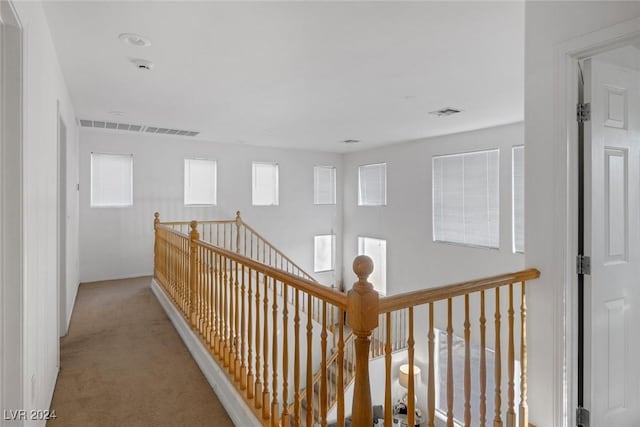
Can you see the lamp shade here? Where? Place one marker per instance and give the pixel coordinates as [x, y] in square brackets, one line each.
[404, 376]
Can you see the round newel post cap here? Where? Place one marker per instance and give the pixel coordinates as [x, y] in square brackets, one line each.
[363, 267]
[194, 225]
[156, 215]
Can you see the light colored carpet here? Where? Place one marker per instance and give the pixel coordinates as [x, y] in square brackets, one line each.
[123, 364]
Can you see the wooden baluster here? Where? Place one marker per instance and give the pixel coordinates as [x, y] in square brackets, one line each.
[285, 357]
[236, 322]
[431, 387]
[250, 378]
[218, 305]
[411, 391]
[258, 387]
[227, 313]
[340, 387]
[209, 297]
[156, 254]
[274, 355]
[388, 404]
[483, 364]
[193, 277]
[450, 363]
[524, 408]
[497, 420]
[201, 291]
[238, 224]
[467, 363]
[323, 370]
[363, 303]
[511, 412]
[243, 337]
[309, 382]
[265, 342]
[232, 318]
[296, 360]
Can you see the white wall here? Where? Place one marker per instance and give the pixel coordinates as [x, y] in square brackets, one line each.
[118, 242]
[43, 88]
[547, 25]
[414, 260]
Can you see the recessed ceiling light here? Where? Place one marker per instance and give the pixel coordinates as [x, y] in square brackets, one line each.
[445, 112]
[135, 39]
[350, 141]
[142, 64]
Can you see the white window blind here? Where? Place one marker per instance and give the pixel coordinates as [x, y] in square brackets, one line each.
[372, 185]
[466, 198]
[111, 180]
[376, 249]
[265, 184]
[324, 250]
[518, 198]
[199, 182]
[324, 185]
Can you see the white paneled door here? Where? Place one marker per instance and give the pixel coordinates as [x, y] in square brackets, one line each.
[612, 238]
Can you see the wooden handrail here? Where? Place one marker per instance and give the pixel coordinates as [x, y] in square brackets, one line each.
[425, 296]
[330, 295]
[226, 221]
[278, 251]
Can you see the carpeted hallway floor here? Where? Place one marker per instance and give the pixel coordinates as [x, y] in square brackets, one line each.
[123, 364]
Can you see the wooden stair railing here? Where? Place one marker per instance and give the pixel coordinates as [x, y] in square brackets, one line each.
[249, 315]
[237, 236]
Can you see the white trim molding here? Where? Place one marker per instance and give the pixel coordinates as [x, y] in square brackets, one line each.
[11, 214]
[566, 58]
[228, 395]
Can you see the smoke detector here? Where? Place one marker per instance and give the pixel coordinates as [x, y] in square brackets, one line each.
[134, 39]
[142, 64]
[445, 112]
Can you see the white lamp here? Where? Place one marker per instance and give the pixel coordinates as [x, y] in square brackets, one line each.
[404, 380]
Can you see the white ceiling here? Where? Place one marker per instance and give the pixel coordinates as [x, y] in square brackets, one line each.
[296, 74]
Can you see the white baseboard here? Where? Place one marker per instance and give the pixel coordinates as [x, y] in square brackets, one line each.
[229, 396]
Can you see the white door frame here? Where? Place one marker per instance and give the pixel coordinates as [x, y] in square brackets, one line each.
[566, 57]
[11, 233]
[62, 227]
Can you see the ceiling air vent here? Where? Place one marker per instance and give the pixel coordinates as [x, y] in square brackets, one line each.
[445, 112]
[101, 124]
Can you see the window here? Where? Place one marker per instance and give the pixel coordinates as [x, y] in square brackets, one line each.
[324, 185]
[199, 182]
[323, 253]
[265, 184]
[458, 358]
[466, 198]
[376, 249]
[111, 180]
[372, 185]
[518, 198]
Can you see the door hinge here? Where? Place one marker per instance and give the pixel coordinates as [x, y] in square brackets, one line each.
[583, 264]
[583, 112]
[582, 417]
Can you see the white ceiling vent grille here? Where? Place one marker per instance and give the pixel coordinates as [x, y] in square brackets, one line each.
[101, 124]
[445, 112]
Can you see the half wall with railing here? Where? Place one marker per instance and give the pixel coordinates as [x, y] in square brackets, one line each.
[292, 346]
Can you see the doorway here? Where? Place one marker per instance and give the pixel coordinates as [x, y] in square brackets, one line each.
[62, 227]
[609, 272]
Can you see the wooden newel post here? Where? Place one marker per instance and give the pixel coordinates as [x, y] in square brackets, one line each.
[238, 225]
[362, 316]
[156, 222]
[193, 268]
